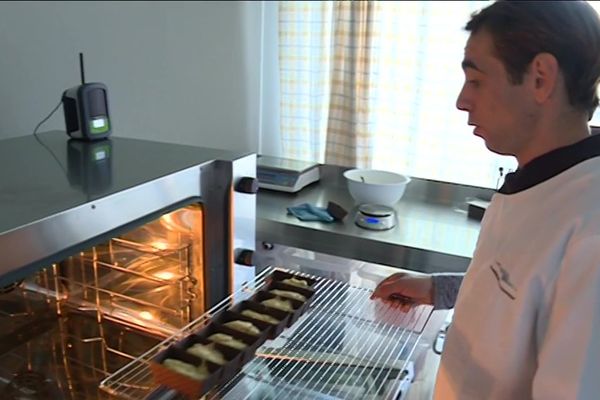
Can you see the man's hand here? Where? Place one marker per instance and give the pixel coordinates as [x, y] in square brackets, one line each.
[406, 287]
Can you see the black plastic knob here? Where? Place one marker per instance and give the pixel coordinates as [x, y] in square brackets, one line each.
[247, 185]
[244, 257]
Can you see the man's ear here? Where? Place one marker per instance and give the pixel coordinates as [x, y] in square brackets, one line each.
[544, 72]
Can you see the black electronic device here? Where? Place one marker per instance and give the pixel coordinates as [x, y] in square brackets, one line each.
[86, 109]
[90, 165]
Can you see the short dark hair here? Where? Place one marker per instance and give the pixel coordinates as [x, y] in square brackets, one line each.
[569, 30]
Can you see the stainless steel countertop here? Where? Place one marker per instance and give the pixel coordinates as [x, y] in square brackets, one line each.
[59, 196]
[432, 234]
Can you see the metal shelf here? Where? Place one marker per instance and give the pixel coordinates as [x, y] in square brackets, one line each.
[345, 346]
[132, 283]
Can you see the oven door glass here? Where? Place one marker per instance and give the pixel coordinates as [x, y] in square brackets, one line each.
[66, 328]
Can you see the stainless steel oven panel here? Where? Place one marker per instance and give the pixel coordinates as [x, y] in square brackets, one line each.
[244, 220]
[58, 197]
[54, 206]
[46, 240]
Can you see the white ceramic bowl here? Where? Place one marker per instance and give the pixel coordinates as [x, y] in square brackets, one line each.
[376, 187]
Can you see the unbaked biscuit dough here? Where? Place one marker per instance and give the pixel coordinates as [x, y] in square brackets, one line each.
[243, 326]
[289, 294]
[296, 282]
[199, 373]
[207, 352]
[227, 340]
[259, 316]
[279, 303]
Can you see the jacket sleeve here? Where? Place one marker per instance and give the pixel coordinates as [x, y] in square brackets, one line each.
[445, 289]
[568, 328]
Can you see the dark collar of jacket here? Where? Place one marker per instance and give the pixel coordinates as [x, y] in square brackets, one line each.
[548, 165]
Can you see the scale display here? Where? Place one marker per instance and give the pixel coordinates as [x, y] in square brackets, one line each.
[375, 217]
[284, 174]
[277, 178]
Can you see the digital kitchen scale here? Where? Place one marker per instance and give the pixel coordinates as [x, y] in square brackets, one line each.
[375, 217]
[284, 174]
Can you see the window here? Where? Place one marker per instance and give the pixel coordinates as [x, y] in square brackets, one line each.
[419, 131]
[596, 119]
[416, 76]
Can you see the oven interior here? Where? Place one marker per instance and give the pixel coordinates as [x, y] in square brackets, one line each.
[75, 322]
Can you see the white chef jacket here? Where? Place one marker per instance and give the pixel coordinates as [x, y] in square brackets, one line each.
[528, 312]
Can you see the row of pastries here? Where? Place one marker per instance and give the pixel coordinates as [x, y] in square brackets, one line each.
[281, 300]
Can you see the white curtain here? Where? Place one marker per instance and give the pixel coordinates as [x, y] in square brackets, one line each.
[413, 126]
[596, 119]
[305, 34]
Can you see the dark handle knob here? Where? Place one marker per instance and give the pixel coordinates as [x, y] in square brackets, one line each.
[244, 257]
[247, 185]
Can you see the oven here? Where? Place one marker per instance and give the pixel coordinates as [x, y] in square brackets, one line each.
[109, 247]
[111, 251]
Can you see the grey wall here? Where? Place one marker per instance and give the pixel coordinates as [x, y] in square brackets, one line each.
[270, 138]
[183, 72]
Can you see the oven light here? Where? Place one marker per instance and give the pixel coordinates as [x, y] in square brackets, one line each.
[165, 275]
[146, 315]
[160, 245]
[167, 218]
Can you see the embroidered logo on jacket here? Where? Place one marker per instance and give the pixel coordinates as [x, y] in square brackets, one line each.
[503, 278]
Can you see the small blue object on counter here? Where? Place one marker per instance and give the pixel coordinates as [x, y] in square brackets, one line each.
[308, 212]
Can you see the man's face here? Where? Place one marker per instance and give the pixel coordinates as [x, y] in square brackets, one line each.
[502, 113]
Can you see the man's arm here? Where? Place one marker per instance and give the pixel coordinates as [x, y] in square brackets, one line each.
[437, 289]
[445, 289]
[568, 328]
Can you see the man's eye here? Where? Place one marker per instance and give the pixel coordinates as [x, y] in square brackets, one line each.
[473, 82]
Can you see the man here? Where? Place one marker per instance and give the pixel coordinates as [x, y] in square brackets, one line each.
[527, 315]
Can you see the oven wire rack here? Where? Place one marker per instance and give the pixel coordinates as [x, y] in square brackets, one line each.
[345, 346]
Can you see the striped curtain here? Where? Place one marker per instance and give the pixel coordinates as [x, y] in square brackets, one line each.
[305, 33]
[349, 134]
[373, 84]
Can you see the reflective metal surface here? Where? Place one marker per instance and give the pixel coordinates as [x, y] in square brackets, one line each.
[138, 237]
[47, 356]
[153, 284]
[55, 196]
[69, 326]
[432, 232]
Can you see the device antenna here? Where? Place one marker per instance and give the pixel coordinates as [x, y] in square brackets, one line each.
[81, 68]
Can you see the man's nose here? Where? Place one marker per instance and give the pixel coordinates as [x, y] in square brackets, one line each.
[462, 103]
